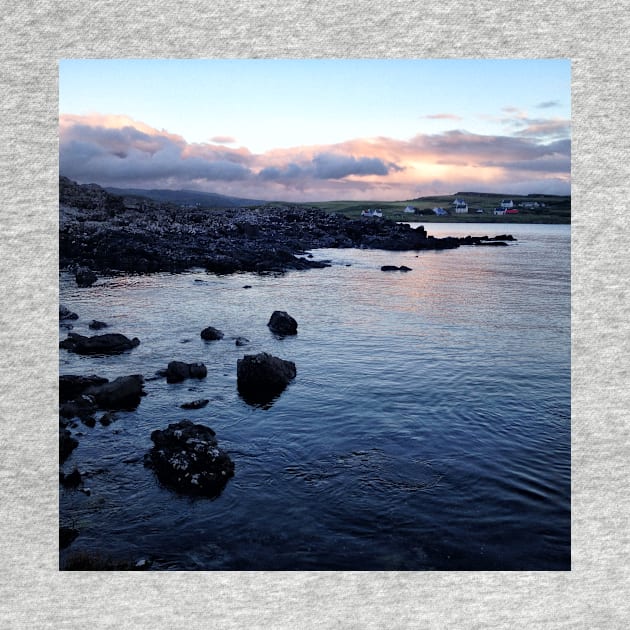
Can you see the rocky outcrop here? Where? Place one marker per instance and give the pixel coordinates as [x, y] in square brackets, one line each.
[281, 323]
[241, 341]
[110, 343]
[262, 377]
[96, 325]
[178, 371]
[211, 334]
[186, 458]
[71, 386]
[394, 268]
[67, 535]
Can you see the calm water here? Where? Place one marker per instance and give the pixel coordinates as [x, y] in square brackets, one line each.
[428, 426]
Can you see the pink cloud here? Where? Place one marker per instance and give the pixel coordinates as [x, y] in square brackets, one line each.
[118, 151]
[443, 117]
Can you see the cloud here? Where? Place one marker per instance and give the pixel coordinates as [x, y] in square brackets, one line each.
[547, 104]
[118, 151]
[223, 139]
[443, 117]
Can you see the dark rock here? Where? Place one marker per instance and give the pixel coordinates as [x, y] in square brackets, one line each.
[389, 268]
[247, 286]
[110, 343]
[66, 313]
[282, 323]
[85, 277]
[241, 341]
[70, 386]
[66, 444]
[106, 419]
[211, 334]
[88, 421]
[261, 377]
[177, 371]
[122, 393]
[96, 325]
[66, 326]
[195, 404]
[404, 268]
[83, 406]
[186, 458]
[71, 480]
[67, 535]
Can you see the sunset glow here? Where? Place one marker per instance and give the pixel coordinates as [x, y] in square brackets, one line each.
[315, 130]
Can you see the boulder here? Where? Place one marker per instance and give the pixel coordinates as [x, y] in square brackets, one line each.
[85, 277]
[241, 341]
[211, 334]
[186, 458]
[261, 377]
[389, 268]
[96, 325]
[67, 536]
[177, 371]
[282, 323]
[122, 393]
[71, 480]
[195, 404]
[110, 343]
[66, 313]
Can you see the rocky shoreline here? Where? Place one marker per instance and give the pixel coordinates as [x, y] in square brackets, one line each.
[98, 231]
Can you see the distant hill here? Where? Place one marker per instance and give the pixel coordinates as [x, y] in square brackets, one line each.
[186, 197]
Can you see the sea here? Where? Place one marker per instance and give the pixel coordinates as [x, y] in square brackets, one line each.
[428, 426]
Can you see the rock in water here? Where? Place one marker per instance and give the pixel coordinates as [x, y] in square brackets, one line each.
[122, 393]
[96, 325]
[66, 313]
[177, 371]
[66, 444]
[85, 277]
[282, 323]
[195, 404]
[187, 459]
[111, 343]
[211, 334]
[261, 377]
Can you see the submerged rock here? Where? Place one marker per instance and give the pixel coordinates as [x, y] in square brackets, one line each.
[195, 404]
[394, 268]
[211, 334]
[261, 377]
[187, 459]
[241, 341]
[66, 444]
[72, 386]
[110, 343]
[282, 323]
[96, 325]
[67, 536]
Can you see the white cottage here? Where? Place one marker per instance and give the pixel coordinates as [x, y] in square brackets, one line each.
[506, 204]
[461, 207]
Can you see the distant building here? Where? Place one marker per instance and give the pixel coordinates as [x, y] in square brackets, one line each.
[410, 210]
[507, 203]
[440, 212]
[461, 207]
[498, 211]
[371, 213]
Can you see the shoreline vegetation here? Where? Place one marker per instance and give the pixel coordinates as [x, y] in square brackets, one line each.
[111, 233]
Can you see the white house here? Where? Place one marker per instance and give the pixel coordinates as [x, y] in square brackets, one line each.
[506, 204]
[440, 212]
[410, 210]
[461, 207]
[499, 211]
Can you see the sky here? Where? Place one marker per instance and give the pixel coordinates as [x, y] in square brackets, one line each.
[318, 130]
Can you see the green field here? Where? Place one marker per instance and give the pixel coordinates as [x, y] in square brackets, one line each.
[556, 209]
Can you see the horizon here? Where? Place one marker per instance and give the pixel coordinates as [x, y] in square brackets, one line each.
[313, 130]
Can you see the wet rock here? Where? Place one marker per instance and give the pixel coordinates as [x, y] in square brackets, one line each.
[404, 268]
[71, 480]
[195, 404]
[96, 325]
[66, 313]
[261, 377]
[389, 268]
[177, 371]
[71, 386]
[241, 341]
[67, 536]
[106, 419]
[186, 458]
[211, 334]
[122, 393]
[110, 343]
[66, 444]
[83, 406]
[85, 277]
[88, 421]
[282, 323]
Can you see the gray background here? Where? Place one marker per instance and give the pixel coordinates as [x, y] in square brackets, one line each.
[33, 593]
